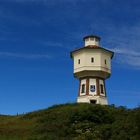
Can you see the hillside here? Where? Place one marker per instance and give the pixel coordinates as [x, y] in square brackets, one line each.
[73, 122]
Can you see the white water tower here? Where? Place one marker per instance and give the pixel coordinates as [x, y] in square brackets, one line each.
[92, 66]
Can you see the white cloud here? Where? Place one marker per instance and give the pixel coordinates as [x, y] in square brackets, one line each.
[25, 56]
[124, 41]
[126, 52]
[127, 56]
[131, 61]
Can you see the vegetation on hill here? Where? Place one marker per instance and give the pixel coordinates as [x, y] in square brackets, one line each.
[73, 122]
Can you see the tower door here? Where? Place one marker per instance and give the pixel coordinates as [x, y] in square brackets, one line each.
[93, 101]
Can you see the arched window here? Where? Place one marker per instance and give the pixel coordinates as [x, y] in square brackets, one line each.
[102, 88]
[83, 88]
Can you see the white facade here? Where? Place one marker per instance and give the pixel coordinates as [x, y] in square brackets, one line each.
[83, 61]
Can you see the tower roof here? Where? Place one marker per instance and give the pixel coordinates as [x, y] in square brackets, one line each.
[92, 47]
[92, 36]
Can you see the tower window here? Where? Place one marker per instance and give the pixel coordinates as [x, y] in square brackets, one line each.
[102, 89]
[105, 61]
[92, 60]
[83, 88]
[87, 39]
[78, 61]
[96, 39]
[92, 39]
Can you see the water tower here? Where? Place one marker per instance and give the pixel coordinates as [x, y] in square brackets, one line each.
[92, 66]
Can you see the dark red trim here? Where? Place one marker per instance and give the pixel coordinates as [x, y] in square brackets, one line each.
[98, 88]
[87, 86]
[79, 87]
[105, 88]
[92, 77]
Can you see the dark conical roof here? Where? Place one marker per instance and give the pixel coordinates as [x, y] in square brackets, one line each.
[95, 36]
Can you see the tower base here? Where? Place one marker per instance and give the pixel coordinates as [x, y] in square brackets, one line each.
[92, 99]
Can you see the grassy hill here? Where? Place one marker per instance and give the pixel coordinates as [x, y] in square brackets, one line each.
[73, 122]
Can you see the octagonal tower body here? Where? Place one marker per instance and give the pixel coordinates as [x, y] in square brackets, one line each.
[92, 65]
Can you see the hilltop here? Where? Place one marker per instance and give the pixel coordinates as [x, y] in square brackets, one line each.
[73, 122]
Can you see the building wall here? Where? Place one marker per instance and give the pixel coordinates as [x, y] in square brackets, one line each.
[106, 57]
[92, 82]
[85, 61]
[87, 99]
[92, 95]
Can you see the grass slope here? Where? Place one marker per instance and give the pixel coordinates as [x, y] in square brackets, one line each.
[73, 122]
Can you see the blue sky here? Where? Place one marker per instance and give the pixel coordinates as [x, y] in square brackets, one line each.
[36, 37]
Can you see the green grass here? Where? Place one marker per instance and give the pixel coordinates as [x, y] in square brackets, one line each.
[73, 122]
